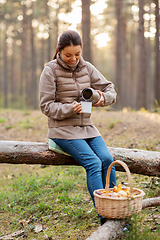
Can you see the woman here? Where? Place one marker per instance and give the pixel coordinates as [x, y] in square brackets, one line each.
[61, 85]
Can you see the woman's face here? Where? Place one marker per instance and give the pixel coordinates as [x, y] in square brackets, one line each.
[71, 54]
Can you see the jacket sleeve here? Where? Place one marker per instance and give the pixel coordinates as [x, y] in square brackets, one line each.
[47, 96]
[99, 82]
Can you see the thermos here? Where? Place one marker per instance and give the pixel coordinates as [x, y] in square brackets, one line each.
[89, 94]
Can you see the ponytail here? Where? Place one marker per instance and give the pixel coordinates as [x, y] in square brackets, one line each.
[55, 55]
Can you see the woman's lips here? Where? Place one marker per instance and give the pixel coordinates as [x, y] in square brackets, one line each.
[72, 62]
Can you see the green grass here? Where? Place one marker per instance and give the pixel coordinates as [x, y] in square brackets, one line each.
[52, 196]
[2, 120]
[139, 229]
[57, 198]
[26, 124]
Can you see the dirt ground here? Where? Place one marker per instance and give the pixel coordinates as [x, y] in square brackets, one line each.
[128, 129]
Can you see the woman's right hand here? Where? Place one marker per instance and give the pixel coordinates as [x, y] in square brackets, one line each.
[77, 107]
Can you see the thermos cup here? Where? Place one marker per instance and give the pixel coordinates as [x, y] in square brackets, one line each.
[86, 106]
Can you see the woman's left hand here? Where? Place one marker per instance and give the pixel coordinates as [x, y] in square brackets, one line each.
[100, 103]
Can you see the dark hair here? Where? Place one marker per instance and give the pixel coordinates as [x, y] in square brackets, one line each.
[68, 38]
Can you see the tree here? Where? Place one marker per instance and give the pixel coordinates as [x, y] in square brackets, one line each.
[119, 51]
[34, 91]
[157, 55]
[24, 81]
[149, 84]
[141, 86]
[86, 29]
[5, 65]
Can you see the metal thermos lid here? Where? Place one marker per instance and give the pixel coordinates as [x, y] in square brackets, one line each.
[89, 94]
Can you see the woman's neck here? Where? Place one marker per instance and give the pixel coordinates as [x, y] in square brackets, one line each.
[73, 67]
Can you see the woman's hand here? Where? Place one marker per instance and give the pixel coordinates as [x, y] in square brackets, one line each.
[77, 107]
[100, 103]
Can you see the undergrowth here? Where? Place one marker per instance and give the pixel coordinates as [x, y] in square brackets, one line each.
[57, 198]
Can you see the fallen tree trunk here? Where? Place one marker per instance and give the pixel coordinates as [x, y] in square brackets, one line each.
[114, 228]
[150, 202]
[16, 152]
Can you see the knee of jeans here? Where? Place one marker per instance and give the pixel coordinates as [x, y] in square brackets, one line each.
[108, 160]
[95, 166]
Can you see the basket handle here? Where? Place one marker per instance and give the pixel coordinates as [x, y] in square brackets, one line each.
[124, 165]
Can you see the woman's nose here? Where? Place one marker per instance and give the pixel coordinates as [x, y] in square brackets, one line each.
[73, 58]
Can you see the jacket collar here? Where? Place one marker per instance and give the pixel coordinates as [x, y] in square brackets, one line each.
[81, 63]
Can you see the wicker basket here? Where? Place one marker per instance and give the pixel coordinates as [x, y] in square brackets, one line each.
[119, 208]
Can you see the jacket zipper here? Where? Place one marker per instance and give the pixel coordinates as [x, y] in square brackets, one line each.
[78, 97]
[78, 90]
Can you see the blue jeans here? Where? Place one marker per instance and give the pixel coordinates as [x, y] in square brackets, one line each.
[94, 156]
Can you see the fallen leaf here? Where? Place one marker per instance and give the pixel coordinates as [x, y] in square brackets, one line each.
[38, 228]
[25, 222]
[9, 177]
[6, 222]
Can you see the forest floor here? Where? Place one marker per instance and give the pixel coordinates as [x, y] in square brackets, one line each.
[56, 198]
[128, 129]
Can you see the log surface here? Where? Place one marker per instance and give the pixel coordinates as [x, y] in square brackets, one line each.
[17, 152]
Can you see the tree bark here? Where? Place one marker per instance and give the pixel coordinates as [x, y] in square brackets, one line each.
[86, 28]
[114, 228]
[34, 94]
[5, 66]
[141, 88]
[157, 55]
[150, 202]
[110, 230]
[138, 161]
[119, 51]
[24, 81]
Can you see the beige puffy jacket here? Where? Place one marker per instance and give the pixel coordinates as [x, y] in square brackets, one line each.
[60, 87]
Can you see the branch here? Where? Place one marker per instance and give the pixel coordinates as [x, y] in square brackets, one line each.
[16, 152]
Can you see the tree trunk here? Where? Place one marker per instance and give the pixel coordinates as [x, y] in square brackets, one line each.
[42, 53]
[133, 70]
[149, 84]
[141, 90]
[49, 57]
[108, 231]
[1, 67]
[13, 76]
[34, 98]
[24, 60]
[56, 24]
[86, 28]
[138, 161]
[5, 64]
[119, 52]
[150, 202]
[157, 55]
